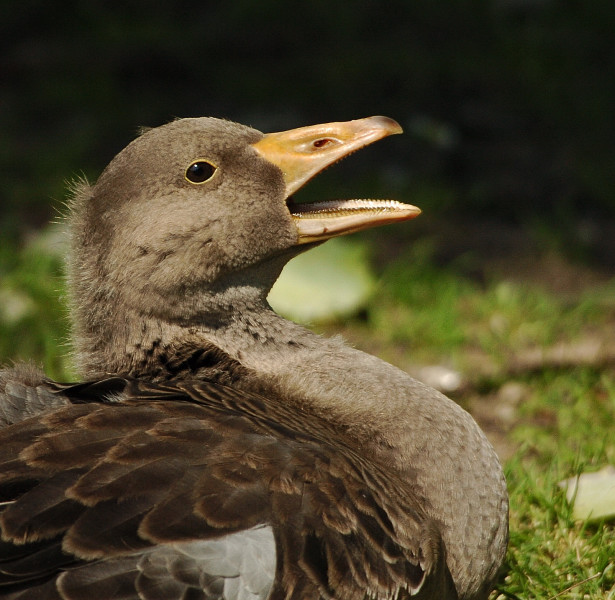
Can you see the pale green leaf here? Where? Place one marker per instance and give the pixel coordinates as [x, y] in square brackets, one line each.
[328, 282]
[592, 494]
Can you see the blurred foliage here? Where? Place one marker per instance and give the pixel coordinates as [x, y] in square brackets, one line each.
[508, 103]
[436, 312]
[33, 323]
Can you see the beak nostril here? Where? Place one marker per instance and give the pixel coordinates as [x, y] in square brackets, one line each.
[322, 142]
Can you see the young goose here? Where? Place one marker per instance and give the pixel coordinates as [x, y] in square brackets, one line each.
[216, 450]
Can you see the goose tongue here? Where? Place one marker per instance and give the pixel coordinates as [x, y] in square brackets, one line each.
[302, 153]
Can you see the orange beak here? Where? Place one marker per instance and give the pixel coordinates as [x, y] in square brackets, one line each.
[302, 153]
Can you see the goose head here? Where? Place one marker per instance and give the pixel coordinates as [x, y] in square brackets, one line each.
[195, 219]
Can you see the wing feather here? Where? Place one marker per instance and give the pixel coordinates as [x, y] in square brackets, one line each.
[129, 489]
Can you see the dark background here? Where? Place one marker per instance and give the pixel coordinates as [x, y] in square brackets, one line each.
[508, 105]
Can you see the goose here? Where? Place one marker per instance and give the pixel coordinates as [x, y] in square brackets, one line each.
[212, 449]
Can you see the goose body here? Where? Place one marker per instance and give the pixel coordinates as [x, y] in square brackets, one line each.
[214, 449]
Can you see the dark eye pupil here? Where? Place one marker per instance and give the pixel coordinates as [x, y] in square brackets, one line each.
[200, 171]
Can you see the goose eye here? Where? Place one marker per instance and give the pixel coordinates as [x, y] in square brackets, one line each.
[200, 171]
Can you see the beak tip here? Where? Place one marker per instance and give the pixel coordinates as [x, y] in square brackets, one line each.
[391, 126]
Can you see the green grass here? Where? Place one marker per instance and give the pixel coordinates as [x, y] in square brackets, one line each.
[567, 426]
[423, 313]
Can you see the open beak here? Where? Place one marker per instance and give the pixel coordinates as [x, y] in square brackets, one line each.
[302, 153]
